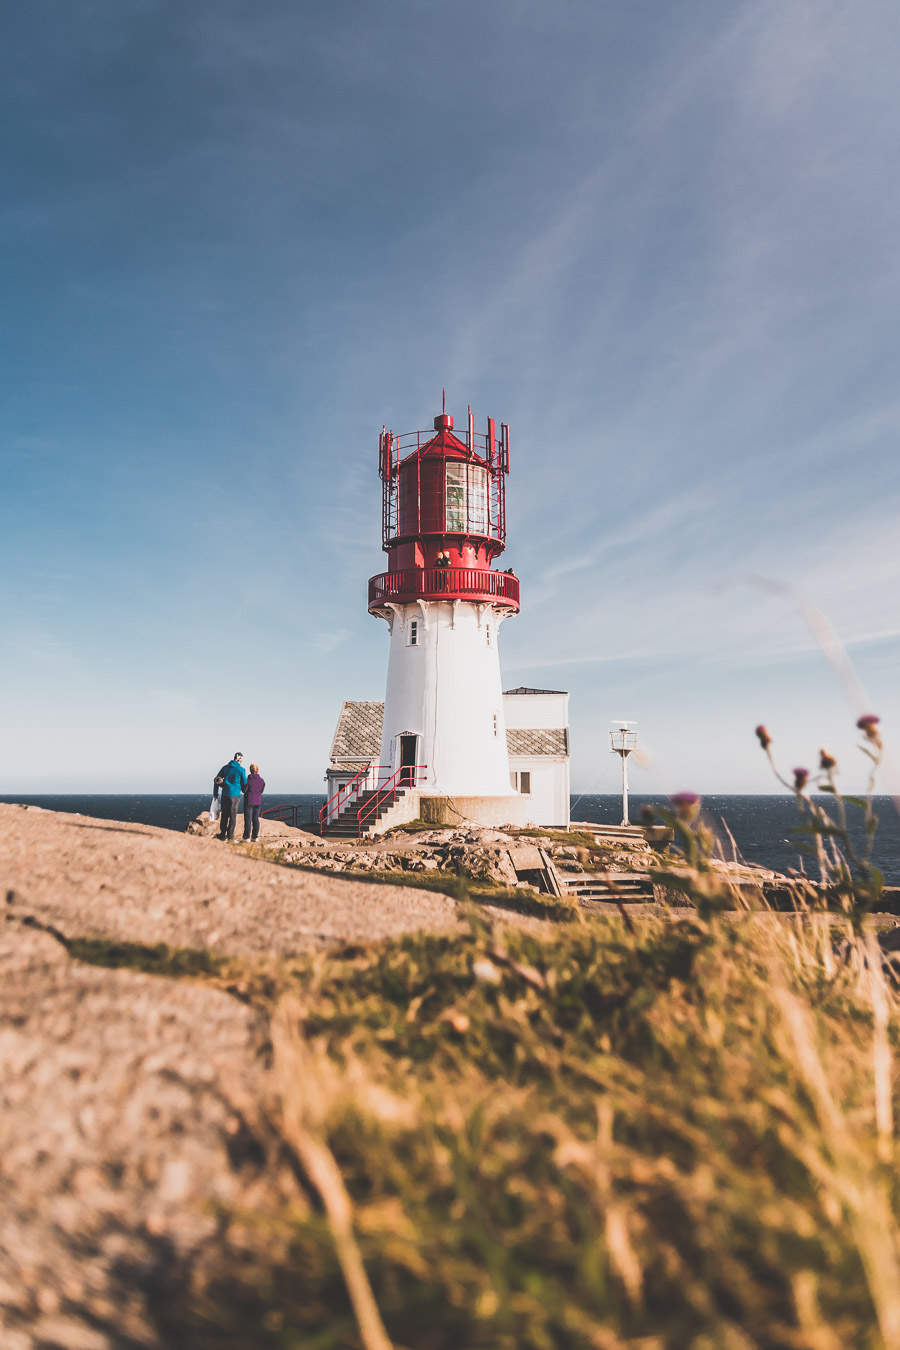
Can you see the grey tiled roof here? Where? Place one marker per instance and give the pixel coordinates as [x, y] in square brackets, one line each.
[357, 739]
[546, 741]
[523, 689]
[358, 733]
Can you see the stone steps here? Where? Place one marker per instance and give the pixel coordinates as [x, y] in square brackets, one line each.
[346, 825]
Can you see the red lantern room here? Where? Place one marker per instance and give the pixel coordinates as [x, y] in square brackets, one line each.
[444, 516]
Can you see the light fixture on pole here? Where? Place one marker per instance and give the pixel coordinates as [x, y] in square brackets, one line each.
[621, 742]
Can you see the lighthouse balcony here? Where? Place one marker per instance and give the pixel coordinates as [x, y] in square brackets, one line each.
[481, 585]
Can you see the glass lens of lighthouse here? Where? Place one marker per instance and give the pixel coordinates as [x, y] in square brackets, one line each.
[467, 498]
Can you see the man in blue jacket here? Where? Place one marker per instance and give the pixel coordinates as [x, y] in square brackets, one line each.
[232, 779]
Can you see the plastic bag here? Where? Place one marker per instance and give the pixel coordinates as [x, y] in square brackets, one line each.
[214, 809]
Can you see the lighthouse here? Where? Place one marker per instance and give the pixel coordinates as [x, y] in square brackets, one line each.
[443, 528]
[447, 744]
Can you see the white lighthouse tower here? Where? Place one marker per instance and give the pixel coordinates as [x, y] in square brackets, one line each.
[444, 525]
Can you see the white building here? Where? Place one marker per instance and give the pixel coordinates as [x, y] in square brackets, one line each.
[536, 751]
[537, 741]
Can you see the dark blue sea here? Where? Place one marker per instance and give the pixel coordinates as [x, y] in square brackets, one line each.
[761, 826]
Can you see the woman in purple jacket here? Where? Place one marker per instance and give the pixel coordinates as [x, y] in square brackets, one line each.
[256, 786]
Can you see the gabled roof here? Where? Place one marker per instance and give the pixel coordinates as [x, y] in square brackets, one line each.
[523, 690]
[357, 736]
[537, 741]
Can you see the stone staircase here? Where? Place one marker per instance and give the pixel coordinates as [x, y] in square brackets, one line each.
[625, 888]
[345, 826]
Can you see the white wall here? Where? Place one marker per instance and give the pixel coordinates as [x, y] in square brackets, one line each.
[447, 690]
[549, 773]
[536, 710]
[549, 799]
[335, 779]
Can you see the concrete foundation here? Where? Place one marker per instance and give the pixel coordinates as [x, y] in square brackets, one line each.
[453, 812]
[495, 811]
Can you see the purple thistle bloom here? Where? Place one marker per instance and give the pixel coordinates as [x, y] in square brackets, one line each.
[868, 724]
[686, 804]
[801, 778]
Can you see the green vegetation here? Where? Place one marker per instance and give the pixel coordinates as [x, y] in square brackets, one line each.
[159, 959]
[576, 838]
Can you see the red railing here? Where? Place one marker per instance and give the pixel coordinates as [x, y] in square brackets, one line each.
[486, 450]
[348, 791]
[406, 776]
[289, 815]
[445, 583]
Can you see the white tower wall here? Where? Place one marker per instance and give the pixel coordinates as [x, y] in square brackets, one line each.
[445, 688]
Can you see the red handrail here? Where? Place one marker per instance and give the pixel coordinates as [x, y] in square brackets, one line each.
[287, 815]
[445, 583]
[397, 780]
[326, 812]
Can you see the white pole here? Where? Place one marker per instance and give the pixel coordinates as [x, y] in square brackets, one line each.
[625, 820]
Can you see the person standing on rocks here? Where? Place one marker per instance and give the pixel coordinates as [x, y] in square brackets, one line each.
[256, 786]
[232, 778]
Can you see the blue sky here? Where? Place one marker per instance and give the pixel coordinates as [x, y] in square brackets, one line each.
[235, 238]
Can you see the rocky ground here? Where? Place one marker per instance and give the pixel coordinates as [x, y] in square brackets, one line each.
[505, 857]
[472, 851]
[124, 1097]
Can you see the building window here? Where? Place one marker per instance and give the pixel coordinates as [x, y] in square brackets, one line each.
[487, 635]
[495, 722]
[521, 782]
[412, 633]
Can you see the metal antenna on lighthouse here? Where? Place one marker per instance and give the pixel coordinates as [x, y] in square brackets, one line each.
[622, 742]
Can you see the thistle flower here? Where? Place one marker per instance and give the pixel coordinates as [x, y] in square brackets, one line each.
[868, 724]
[801, 778]
[826, 762]
[762, 735]
[686, 805]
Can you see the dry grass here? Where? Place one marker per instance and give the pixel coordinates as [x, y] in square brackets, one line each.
[678, 1136]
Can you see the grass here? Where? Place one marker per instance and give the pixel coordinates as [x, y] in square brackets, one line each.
[678, 1134]
[576, 838]
[156, 959]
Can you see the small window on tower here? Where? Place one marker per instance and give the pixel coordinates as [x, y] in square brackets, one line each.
[496, 724]
[487, 635]
[412, 638]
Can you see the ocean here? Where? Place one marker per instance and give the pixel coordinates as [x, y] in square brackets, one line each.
[761, 826]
